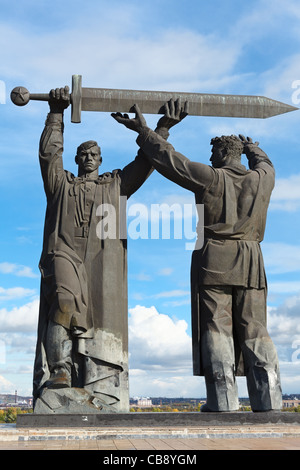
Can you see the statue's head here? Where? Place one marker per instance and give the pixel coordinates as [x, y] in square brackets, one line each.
[225, 150]
[88, 157]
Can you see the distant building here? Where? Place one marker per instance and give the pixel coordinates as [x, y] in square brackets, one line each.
[144, 402]
[23, 404]
[290, 403]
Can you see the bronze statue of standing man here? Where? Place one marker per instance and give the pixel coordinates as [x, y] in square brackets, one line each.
[82, 345]
[228, 282]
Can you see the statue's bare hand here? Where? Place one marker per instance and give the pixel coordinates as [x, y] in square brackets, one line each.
[59, 99]
[174, 113]
[137, 124]
[247, 141]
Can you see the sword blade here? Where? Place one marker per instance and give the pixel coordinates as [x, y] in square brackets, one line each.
[200, 104]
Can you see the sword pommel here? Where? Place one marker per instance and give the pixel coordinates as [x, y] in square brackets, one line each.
[20, 96]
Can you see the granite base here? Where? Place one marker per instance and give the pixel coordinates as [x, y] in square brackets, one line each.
[152, 419]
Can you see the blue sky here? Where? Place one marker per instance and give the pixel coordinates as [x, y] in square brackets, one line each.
[233, 47]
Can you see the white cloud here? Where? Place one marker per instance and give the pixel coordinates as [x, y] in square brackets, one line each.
[5, 385]
[17, 270]
[177, 303]
[281, 81]
[160, 352]
[281, 257]
[165, 271]
[284, 328]
[284, 287]
[290, 377]
[26, 271]
[15, 293]
[20, 319]
[178, 59]
[289, 205]
[172, 293]
[157, 341]
[182, 297]
[142, 277]
[286, 194]
[162, 385]
[7, 268]
[266, 19]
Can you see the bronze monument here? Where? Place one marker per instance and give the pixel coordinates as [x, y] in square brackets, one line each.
[81, 357]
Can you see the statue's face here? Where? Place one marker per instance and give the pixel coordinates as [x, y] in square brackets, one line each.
[218, 158]
[89, 160]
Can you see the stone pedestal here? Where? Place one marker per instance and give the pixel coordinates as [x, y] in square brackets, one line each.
[152, 420]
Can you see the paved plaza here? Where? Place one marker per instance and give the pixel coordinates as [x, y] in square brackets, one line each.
[154, 439]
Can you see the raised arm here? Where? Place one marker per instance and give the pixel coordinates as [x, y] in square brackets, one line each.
[193, 176]
[190, 175]
[257, 158]
[134, 175]
[51, 141]
[136, 172]
[259, 162]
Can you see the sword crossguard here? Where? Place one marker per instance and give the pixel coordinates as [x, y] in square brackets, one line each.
[20, 96]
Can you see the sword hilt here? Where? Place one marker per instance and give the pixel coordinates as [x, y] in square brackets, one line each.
[20, 96]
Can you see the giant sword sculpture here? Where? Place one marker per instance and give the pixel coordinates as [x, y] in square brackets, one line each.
[152, 102]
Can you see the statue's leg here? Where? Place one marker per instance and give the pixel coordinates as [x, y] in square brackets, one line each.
[259, 352]
[217, 349]
[59, 355]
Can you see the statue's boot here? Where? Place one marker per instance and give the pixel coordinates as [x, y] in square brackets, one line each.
[59, 352]
[219, 373]
[221, 387]
[263, 376]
